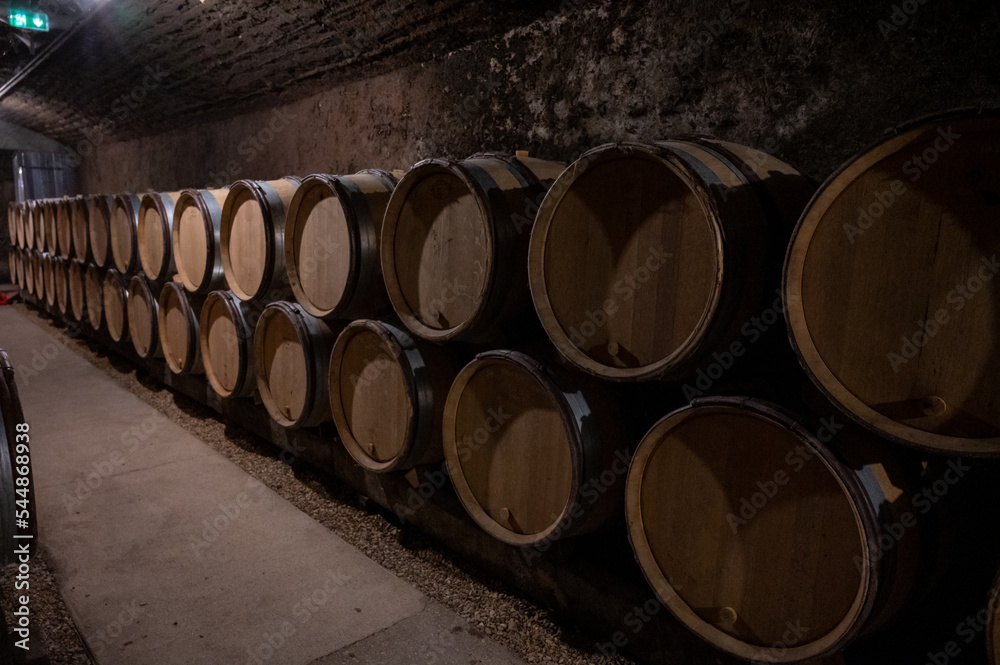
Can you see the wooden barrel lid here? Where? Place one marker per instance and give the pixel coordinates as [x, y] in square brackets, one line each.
[79, 227]
[29, 224]
[376, 394]
[123, 229]
[511, 447]
[291, 359]
[226, 341]
[19, 224]
[29, 271]
[60, 280]
[51, 232]
[115, 305]
[626, 258]
[99, 225]
[195, 231]
[76, 286]
[331, 238]
[156, 214]
[178, 324]
[64, 227]
[143, 317]
[93, 282]
[49, 273]
[890, 291]
[252, 234]
[438, 248]
[743, 523]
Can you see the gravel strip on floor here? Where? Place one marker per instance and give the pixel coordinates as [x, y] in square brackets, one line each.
[536, 634]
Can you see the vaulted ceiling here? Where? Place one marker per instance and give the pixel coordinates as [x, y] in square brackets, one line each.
[115, 69]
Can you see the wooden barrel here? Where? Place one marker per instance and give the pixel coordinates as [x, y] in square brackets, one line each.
[387, 394]
[19, 222]
[93, 289]
[29, 272]
[76, 286]
[49, 223]
[60, 278]
[124, 233]
[41, 260]
[195, 239]
[454, 244]
[142, 309]
[12, 222]
[39, 225]
[79, 228]
[49, 272]
[64, 227]
[14, 263]
[291, 356]
[528, 446]
[646, 259]
[115, 290]
[745, 523]
[906, 341]
[226, 342]
[99, 227]
[30, 217]
[179, 329]
[156, 216]
[331, 244]
[253, 237]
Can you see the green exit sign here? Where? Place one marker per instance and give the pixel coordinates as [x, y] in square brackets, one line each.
[28, 20]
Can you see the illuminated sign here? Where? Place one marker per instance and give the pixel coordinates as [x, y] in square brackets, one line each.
[28, 20]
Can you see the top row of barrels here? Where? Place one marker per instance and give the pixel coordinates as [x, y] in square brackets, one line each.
[642, 261]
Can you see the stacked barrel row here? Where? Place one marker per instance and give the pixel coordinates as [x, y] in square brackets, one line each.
[408, 312]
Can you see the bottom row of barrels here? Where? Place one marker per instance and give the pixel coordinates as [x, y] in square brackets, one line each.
[743, 519]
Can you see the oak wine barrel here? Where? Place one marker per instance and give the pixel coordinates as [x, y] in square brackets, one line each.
[41, 212]
[745, 523]
[142, 309]
[60, 278]
[331, 243]
[79, 228]
[64, 227]
[93, 289]
[12, 222]
[387, 394]
[890, 289]
[154, 235]
[51, 239]
[291, 356]
[226, 342]
[527, 444]
[454, 244]
[195, 239]
[19, 221]
[76, 286]
[253, 237]
[40, 259]
[28, 272]
[99, 227]
[14, 263]
[115, 290]
[124, 233]
[646, 258]
[30, 217]
[179, 329]
[49, 273]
